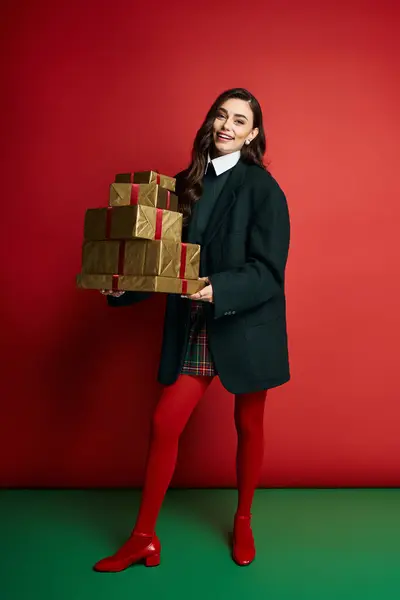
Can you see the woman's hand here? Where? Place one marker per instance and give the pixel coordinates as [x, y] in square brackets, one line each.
[114, 294]
[206, 294]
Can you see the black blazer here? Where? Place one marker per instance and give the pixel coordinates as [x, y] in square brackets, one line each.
[244, 254]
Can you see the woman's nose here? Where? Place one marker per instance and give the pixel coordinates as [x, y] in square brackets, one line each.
[227, 125]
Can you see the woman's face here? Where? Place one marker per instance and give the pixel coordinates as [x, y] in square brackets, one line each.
[233, 126]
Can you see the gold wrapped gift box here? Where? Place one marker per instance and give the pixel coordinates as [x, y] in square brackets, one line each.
[142, 257]
[139, 283]
[127, 222]
[145, 194]
[147, 177]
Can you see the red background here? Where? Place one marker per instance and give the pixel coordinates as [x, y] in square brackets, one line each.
[91, 89]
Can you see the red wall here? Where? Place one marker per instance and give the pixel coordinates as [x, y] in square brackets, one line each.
[91, 89]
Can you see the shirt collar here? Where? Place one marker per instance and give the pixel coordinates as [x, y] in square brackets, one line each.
[225, 162]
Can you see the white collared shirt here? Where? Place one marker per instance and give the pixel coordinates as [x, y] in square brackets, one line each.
[225, 162]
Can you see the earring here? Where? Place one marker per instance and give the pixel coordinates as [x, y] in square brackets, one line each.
[247, 142]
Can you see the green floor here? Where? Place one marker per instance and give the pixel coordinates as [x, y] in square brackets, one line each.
[311, 544]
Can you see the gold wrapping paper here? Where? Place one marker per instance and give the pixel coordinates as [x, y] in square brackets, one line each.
[145, 194]
[141, 257]
[101, 257]
[127, 222]
[147, 177]
[139, 283]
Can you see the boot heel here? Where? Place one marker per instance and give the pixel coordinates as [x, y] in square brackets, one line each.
[152, 561]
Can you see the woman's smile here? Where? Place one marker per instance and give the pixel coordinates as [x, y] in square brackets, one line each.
[224, 137]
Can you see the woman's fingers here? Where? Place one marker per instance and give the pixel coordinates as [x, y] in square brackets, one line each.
[115, 294]
[206, 294]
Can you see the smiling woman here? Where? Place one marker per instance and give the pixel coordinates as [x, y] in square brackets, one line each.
[235, 327]
[231, 129]
[234, 123]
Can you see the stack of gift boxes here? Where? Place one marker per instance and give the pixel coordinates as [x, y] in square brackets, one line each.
[135, 243]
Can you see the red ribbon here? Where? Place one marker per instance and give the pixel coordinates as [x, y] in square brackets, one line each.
[115, 279]
[183, 269]
[183, 261]
[159, 224]
[134, 194]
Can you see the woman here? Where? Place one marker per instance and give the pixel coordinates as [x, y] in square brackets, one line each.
[235, 327]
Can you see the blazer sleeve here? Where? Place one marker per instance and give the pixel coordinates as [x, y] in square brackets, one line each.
[128, 298]
[262, 276]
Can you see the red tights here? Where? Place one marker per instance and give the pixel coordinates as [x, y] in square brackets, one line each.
[171, 415]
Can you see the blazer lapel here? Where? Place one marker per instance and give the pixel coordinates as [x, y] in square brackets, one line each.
[225, 202]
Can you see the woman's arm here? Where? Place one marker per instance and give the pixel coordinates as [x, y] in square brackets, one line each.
[262, 276]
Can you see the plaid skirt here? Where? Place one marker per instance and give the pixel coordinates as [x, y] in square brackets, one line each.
[198, 359]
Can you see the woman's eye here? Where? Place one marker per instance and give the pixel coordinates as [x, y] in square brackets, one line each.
[240, 122]
[220, 116]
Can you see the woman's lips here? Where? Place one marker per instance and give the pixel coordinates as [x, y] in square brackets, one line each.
[223, 137]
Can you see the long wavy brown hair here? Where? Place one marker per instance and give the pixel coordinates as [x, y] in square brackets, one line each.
[192, 187]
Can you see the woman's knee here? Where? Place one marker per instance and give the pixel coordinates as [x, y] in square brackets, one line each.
[249, 415]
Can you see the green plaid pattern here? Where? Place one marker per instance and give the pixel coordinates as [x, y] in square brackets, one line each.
[198, 359]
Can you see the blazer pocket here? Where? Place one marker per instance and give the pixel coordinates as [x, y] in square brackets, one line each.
[265, 320]
[272, 330]
[267, 347]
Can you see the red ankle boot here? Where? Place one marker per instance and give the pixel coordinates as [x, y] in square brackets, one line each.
[243, 551]
[139, 546]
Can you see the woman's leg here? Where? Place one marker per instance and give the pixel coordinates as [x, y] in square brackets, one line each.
[170, 417]
[249, 421]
